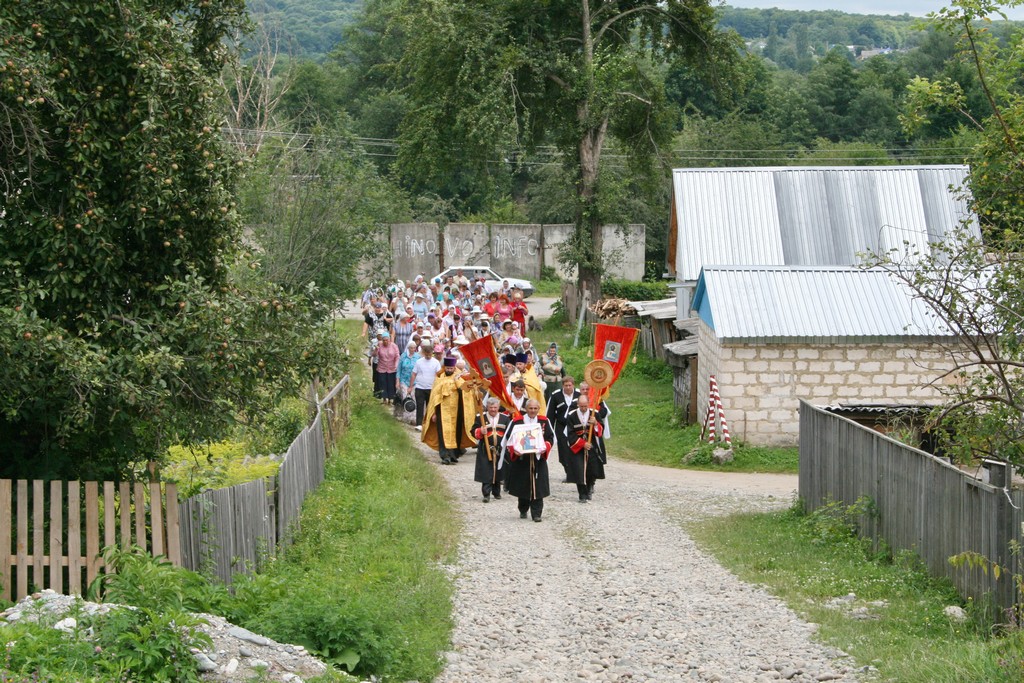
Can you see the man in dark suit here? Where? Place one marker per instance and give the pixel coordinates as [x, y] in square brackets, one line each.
[489, 431]
[585, 430]
[559, 405]
[528, 472]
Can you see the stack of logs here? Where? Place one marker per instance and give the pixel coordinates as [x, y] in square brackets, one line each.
[612, 308]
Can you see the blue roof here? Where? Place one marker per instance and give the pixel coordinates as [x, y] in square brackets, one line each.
[811, 304]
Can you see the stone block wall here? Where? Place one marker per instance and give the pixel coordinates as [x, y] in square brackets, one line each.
[761, 385]
[511, 250]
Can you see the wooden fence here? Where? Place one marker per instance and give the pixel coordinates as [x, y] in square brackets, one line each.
[57, 532]
[924, 504]
[232, 530]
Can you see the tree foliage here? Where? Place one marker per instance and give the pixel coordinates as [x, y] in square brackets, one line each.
[997, 174]
[122, 325]
[318, 211]
[486, 79]
[974, 287]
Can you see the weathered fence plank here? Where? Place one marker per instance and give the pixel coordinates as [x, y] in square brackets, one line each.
[924, 504]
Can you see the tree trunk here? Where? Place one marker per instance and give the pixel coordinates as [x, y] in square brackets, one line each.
[588, 218]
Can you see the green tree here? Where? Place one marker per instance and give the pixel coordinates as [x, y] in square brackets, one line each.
[122, 327]
[997, 171]
[318, 211]
[974, 287]
[492, 77]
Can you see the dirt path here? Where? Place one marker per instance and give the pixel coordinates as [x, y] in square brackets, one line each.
[615, 589]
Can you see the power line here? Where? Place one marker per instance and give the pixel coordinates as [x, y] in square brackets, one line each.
[852, 154]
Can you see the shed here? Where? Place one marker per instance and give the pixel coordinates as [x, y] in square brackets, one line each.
[773, 335]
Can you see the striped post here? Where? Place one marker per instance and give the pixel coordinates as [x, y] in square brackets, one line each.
[716, 410]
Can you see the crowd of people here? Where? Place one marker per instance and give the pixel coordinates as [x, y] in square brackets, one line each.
[415, 331]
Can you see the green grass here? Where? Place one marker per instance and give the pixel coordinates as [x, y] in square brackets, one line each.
[808, 560]
[363, 584]
[546, 288]
[646, 426]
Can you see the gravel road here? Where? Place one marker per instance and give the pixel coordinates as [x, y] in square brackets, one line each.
[615, 589]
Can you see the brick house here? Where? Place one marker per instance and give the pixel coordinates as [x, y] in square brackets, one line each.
[829, 335]
[817, 217]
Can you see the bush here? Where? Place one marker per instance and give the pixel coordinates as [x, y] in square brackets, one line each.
[635, 291]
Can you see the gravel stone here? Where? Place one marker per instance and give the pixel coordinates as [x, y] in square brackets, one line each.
[617, 590]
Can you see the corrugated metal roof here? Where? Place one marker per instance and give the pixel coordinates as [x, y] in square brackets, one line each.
[812, 304]
[812, 216]
[660, 309]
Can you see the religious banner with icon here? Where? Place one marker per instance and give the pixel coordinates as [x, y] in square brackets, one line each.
[480, 356]
[612, 344]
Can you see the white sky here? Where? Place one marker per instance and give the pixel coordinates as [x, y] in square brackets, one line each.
[916, 8]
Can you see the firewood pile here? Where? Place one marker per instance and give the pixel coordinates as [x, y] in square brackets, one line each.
[612, 308]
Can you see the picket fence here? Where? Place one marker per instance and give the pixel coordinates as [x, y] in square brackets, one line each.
[51, 535]
[923, 503]
[57, 533]
[235, 529]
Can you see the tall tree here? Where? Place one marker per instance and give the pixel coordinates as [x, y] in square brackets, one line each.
[997, 171]
[122, 328]
[490, 77]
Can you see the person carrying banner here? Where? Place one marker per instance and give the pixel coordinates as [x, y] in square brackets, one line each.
[585, 430]
[559, 406]
[489, 430]
[447, 424]
[528, 471]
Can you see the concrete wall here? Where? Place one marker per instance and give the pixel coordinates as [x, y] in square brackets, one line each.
[554, 236]
[415, 249]
[511, 250]
[624, 251]
[515, 250]
[761, 385]
[465, 244]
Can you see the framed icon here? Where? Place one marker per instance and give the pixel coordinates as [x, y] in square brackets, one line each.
[612, 350]
[527, 438]
[487, 370]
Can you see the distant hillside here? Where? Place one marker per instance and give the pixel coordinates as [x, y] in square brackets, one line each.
[312, 28]
[824, 27]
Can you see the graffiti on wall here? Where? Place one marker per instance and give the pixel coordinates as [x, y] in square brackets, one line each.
[411, 247]
[514, 247]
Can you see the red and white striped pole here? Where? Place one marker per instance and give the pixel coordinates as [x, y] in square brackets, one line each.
[715, 409]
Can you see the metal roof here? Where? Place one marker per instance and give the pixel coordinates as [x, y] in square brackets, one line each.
[812, 216]
[811, 305]
[659, 309]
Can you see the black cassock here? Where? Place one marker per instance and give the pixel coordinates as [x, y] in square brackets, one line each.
[490, 470]
[527, 475]
[558, 410]
[579, 460]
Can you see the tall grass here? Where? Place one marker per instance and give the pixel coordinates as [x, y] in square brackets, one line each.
[364, 585]
[895, 621]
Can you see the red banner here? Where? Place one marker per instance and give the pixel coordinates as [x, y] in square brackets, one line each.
[613, 344]
[481, 357]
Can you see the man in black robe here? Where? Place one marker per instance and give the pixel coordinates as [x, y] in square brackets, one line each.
[560, 404]
[528, 472]
[585, 435]
[489, 432]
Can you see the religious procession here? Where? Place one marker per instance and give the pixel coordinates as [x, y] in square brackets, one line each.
[456, 362]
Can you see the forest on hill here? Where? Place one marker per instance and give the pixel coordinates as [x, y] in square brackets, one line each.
[776, 87]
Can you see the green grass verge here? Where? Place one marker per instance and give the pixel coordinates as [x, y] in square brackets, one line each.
[645, 424]
[363, 586]
[809, 560]
[546, 288]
